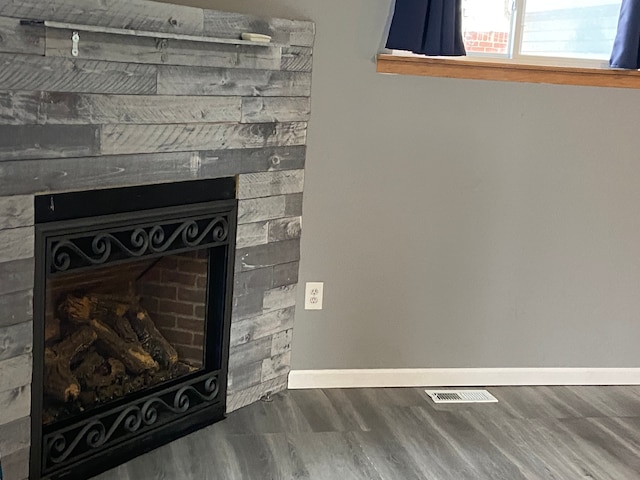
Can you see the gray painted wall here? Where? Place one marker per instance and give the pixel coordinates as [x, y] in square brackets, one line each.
[461, 223]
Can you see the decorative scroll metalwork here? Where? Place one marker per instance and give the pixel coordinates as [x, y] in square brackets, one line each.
[101, 431]
[70, 252]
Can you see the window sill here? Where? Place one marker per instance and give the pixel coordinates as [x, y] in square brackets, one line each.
[507, 72]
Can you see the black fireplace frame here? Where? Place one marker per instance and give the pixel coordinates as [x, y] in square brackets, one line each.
[139, 422]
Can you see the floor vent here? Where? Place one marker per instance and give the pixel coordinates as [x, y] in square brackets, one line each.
[461, 396]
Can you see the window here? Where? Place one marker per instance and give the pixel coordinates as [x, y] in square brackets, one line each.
[552, 32]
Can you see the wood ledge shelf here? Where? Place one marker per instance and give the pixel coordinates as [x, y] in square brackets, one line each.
[142, 33]
[507, 72]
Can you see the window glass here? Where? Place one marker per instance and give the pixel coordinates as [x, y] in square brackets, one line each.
[486, 27]
[570, 28]
[573, 29]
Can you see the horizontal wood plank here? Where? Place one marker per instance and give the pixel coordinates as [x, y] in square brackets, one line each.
[296, 59]
[16, 340]
[15, 435]
[241, 398]
[244, 376]
[16, 275]
[286, 274]
[69, 108]
[20, 142]
[281, 342]
[129, 14]
[229, 81]
[249, 352]
[268, 159]
[126, 139]
[28, 72]
[231, 25]
[294, 205]
[16, 464]
[253, 281]
[276, 109]
[16, 38]
[259, 58]
[267, 184]
[267, 256]
[59, 175]
[17, 108]
[247, 306]
[285, 229]
[262, 326]
[14, 403]
[279, 298]
[16, 211]
[120, 48]
[252, 234]
[15, 373]
[507, 72]
[16, 244]
[276, 366]
[259, 209]
[16, 308]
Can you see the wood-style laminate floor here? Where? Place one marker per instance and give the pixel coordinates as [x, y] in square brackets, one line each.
[533, 433]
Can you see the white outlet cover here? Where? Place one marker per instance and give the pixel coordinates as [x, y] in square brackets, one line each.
[313, 296]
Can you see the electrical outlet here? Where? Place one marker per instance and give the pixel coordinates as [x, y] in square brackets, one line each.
[313, 296]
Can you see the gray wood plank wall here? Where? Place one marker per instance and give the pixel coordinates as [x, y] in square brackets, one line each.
[131, 110]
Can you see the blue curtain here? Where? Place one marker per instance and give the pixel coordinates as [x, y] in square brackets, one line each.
[626, 48]
[428, 27]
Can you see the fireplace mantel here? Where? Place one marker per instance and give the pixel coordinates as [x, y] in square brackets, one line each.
[135, 110]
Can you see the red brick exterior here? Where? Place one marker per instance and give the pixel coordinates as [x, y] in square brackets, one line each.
[486, 42]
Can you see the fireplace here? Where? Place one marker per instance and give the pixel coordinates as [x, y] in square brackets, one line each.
[110, 118]
[132, 309]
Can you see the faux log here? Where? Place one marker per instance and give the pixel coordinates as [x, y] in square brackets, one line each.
[123, 328]
[59, 382]
[110, 392]
[134, 358]
[87, 368]
[133, 384]
[76, 343]
[179, 369]
[151, 339]
[106, 305]
[108, 308]
[95, 371]
[107, 374]
[76, 309]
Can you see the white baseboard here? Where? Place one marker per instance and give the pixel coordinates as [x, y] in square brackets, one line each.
[461, 377]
